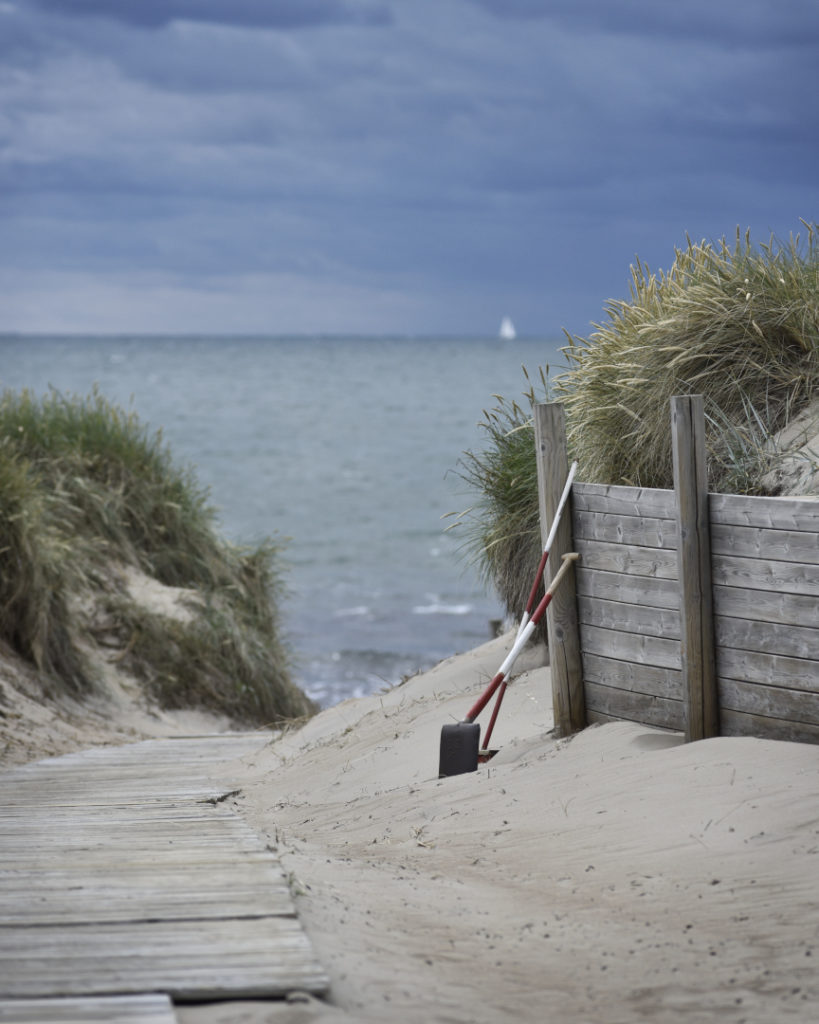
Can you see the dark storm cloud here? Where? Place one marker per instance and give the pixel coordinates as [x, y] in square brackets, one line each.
[452, 155]
[282, 14]
[757, 23]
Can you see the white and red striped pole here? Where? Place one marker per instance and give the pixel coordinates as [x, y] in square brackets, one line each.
[520, 641]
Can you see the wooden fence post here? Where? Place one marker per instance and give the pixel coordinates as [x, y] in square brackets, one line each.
[562, 624]
[694, 561]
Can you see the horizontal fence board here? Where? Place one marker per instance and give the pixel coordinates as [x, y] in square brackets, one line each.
[627, 501]
[626, 675]
[154, 1008]
[630, 618]
[765, 574]
[737, 723]
[766, 606]
[598, 718]
[619, 586]
[772, 669]
[767, 637]
[770, 701]
[644, 650]
[635, 561]
[641, 530]
[776, 513]
[753, 542]
[635, 707]
[765, 578]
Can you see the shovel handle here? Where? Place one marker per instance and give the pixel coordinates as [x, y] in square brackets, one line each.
[521, 640]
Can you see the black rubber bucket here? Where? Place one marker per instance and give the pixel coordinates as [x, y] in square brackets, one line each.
[459, 748]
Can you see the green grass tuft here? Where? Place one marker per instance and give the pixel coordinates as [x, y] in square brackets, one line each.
[736, 323]
[85, 488]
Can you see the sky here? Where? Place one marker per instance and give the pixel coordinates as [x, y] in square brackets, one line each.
[386, 166]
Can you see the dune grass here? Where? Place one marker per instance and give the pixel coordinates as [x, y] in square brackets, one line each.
[84, 487]
[734, 322]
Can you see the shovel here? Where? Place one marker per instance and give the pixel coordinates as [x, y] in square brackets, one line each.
[460, 741]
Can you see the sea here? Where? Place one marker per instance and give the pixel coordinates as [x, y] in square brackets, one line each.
[344, 450]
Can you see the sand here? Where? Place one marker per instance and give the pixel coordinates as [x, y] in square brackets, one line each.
[620, 875]
[616, 876]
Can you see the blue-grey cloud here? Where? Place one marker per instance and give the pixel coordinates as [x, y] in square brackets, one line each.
[443, 155]
[757, 23]
[282, 14]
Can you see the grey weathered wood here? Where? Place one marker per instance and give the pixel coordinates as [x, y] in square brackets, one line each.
[766, 606]
[694, 560]
[753, 542]
[614, 586]
[765, 574]
[778, 513]
[737, 723]
[659, 563]
[125, 869]
[562, 626]
[641, 650]
[635, 707]
[629, 618]
[768, 638]
[599, 718]
[190, 960]
[627, 675]
[618, 500]
[638, 530]
[769, 701]
[153, 1008]
[761, 667]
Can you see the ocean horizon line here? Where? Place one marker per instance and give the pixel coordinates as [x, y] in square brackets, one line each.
[278, 336]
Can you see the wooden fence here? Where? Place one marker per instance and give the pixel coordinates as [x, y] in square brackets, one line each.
[718, 634]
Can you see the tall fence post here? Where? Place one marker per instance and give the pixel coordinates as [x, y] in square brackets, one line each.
[562, 624]
[694, 562]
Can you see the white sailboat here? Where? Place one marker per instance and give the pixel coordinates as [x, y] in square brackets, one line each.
[507, 329]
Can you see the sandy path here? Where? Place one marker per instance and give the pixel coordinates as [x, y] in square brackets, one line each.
[620, 876]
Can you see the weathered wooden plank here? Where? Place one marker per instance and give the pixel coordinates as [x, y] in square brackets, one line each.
[619, 586]
[599, 718]
[773, 669]
[769, 638]
[626, 675]
[754, 542]
[635, 561]
[776, 513]
[630, 618]
[767, 606]
[152, 1008]
[121, 872]
[635, 501]
[561, 620]
[737, 723]
[769, 701]
[694, 561]
[190, 960]
[643, 650]
[765, 574]
[616, 529]
[147, 892]
[635, 707]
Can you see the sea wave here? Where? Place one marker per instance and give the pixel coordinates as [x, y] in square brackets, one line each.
[439, 608]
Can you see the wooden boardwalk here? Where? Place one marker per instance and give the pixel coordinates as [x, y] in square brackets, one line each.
[126, 881]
